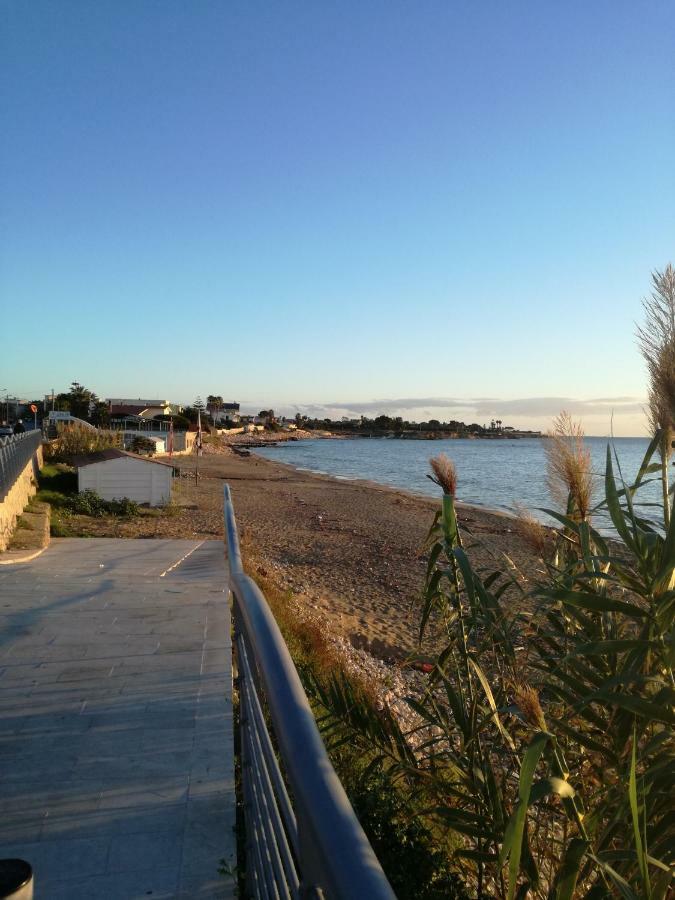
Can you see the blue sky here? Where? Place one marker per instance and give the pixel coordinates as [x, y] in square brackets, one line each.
[330, 205]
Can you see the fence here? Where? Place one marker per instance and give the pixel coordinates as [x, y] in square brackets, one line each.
[302, 837]
[15, 452]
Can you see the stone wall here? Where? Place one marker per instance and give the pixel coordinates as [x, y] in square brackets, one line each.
[15, 502]
[183, 443]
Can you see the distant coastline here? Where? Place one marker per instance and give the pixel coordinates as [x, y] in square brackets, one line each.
[413, 435]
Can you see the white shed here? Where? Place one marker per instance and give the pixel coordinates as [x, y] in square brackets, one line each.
[114, 474]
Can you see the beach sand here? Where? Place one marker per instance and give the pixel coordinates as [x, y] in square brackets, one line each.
[351, 552]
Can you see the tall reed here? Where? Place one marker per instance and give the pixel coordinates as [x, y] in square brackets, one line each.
[544, 752]
[74, 440]
[657, 343]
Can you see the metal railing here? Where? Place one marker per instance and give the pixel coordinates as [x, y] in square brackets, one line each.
[302, 841]
[15, 452]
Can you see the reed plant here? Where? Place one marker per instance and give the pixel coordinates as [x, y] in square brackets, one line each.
[554, 731]
[544, 754]
[656, 338]
[543, 759]
[75, 440]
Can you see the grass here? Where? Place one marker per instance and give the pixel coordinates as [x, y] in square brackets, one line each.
[23, 523]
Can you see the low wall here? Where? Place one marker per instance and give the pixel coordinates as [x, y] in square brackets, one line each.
[19, 494]
[183, 443]
[245, 429]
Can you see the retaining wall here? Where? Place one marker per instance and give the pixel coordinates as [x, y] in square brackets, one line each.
[19, 494]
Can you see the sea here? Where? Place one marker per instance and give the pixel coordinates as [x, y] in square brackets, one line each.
[498, 474]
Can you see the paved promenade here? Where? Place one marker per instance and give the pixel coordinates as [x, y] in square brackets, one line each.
[116, 719]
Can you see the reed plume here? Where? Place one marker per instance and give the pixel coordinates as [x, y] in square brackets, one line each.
[537, 537]
[656, 339]
[569, 475]
[527, 700]
[445, 474]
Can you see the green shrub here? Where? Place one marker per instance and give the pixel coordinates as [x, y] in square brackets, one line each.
[416, 862]
[58, 528]
[57, 478]
[143, 445]
[553, 761]
[88, 503]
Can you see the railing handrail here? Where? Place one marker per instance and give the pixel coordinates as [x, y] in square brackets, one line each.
[341, 862]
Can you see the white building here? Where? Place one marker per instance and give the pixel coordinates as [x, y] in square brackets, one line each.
[115, 474]
[121, 406]
[227, 413]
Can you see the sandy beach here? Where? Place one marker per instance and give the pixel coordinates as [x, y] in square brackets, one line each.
[352, 553]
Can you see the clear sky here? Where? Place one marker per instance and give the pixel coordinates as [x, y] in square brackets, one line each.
[362, 206]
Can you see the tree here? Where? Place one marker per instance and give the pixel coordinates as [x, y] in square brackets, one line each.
[143, 446]
[199, 404]
[190, 413]
[214, 401]
[180, 423]
[77, 401]
[62, 402]
[100, 415]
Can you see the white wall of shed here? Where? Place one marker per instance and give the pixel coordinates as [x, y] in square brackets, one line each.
[113, 479]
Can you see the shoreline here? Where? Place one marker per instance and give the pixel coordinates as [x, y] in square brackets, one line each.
[406, 492]
[351, 551]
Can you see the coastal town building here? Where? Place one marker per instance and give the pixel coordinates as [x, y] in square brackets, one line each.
[147, 409]
[224, 413]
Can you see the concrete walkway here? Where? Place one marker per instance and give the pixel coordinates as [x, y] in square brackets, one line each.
[116, 770]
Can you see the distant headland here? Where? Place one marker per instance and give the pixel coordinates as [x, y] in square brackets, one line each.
[397, 427]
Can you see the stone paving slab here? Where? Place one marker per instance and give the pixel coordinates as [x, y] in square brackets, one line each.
[116, 742]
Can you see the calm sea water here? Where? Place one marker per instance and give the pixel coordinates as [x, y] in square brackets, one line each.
[495, 474]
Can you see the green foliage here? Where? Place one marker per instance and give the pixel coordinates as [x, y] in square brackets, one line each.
[143, 446]
[100, 414]
[542, 762]
[191, 414]
[58, 528]
[88, 503]
[547, 746]
[180, 423]
[417, 864]
[23, 523]
[58, 487]
[56, 478]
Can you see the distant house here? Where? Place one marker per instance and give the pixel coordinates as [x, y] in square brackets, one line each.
[114, 474]
[227, 413]
[140, 407]
[265, 417]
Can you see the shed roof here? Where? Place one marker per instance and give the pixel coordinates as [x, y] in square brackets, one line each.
[88, 459]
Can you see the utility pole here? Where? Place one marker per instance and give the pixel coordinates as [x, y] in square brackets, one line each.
[198, 444]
